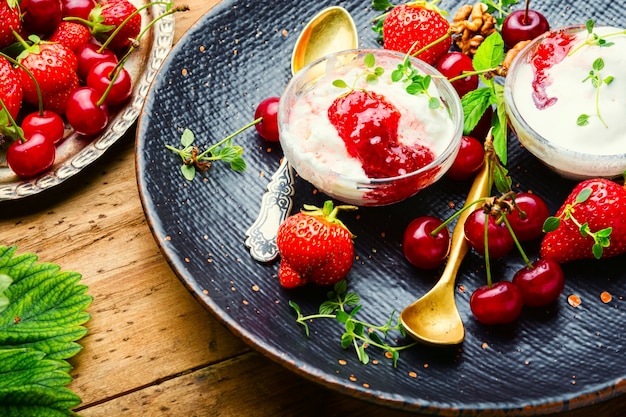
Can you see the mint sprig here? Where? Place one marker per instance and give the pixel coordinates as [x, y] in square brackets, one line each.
[342, 306]
[486, 60]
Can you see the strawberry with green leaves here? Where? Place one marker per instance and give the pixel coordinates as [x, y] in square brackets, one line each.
[315, 247]
[54, 68]
[590, 223]
[110, 16]
[413, 26]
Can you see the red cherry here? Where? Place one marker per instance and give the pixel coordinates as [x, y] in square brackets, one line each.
[454, 64]
[42, 16]
[89, 55]
[499, 238]
[48, 122]
[499, 304]
[83, 112]
[542, 284]
[423, 249]
[31, 157]
[523, 25]
[529, 224]
[99, 78]
[78, 8]
[469, 160]
[268, 127]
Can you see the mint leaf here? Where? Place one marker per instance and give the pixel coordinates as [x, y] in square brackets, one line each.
[499, 126]
[490, 53]
[39, 330]
[5, 281]
[475, 104]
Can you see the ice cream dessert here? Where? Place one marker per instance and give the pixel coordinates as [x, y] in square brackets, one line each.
[355, 132]
[566, 95]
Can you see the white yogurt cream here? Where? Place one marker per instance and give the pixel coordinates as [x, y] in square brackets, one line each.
[571, 97]
[312, 144]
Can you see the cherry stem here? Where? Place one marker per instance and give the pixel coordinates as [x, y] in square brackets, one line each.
[517, 243]
[455, 215]
[525, 21]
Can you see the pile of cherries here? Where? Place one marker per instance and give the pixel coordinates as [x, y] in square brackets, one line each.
[88, 107]
[495, 226]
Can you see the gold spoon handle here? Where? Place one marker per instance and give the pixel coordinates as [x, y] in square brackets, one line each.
[459, 246]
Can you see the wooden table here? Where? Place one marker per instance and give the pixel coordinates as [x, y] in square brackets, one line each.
[151, 348]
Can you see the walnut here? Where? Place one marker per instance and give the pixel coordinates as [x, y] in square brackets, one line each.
[471, 25]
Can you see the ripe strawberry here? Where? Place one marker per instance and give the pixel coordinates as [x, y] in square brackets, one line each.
[10, 88]
[315, 247]
[110, 14]
[11, 21]
[73, 35]
[54, 67]
[412, 26]
[589, 224]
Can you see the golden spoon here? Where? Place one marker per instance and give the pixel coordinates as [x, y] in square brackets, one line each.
[434, 319]
[331, 30]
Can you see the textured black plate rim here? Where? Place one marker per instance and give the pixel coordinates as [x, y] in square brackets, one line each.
[592, 395]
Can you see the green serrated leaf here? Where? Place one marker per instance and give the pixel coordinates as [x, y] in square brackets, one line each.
[604, 232]
[352, 299]
[500, 135]
[490, 53]
[475, 103]
[39, 330]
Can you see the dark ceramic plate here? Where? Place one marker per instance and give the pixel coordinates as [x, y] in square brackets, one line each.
[76, 152]
[552, 359]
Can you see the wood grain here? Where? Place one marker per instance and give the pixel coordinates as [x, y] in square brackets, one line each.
[151, 348]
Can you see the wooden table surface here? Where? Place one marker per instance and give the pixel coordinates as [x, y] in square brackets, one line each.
[152, 349]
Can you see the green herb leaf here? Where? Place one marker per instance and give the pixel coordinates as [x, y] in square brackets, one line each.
[490, 53]
[5, 282]
[39, 331]
[475, 104]
[551, 224]
[583, 195]
[187, 138]
[381, 4]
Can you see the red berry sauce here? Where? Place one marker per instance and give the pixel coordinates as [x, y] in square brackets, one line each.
[552, 50]
[368, 125]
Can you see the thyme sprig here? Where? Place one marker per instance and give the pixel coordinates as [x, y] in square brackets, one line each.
[224, 150]
[342, 306]
[372, 73]
[596, 81]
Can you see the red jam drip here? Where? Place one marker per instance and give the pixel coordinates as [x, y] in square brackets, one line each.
[552, 50]
[368, 125]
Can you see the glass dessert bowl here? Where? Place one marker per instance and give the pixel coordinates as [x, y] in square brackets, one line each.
[349, 126]
[565, 95]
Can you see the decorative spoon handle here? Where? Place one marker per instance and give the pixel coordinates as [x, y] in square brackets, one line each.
[275, 207]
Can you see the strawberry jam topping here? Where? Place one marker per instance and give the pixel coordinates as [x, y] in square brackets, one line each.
[368, 125]
[552, 50]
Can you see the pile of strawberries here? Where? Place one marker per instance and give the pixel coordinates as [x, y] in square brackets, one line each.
[61, 66]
